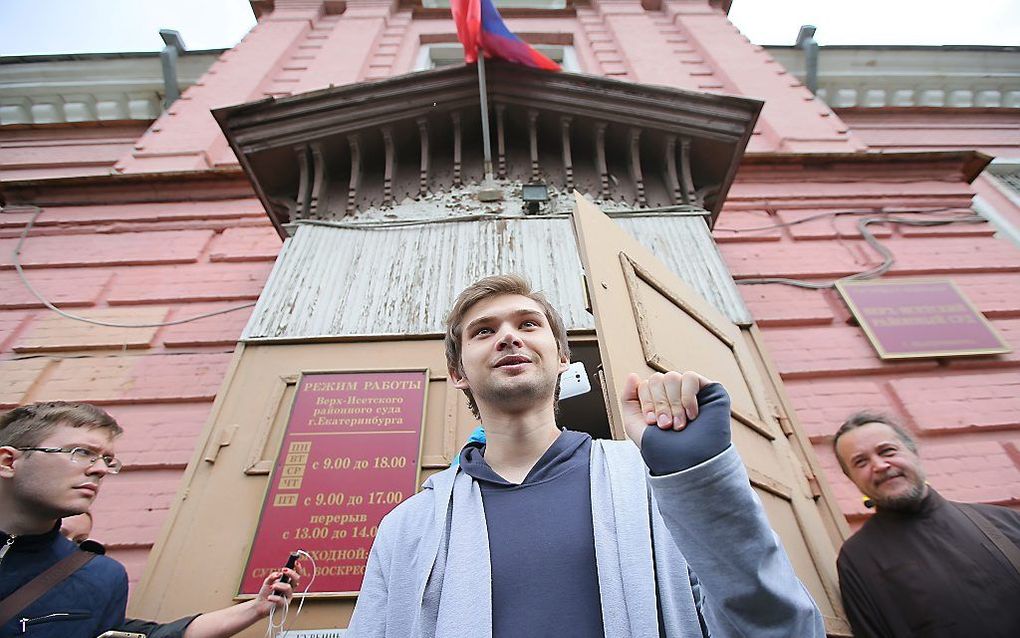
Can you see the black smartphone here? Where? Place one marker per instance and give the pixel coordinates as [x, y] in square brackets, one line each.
[291, 561]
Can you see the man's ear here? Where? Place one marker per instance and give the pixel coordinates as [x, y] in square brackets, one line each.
[7, 456]
[564, 363]
[459, 381]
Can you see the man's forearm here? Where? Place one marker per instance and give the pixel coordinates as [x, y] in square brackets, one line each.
[714, 517]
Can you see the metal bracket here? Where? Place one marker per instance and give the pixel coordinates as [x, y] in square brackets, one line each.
[226, 436]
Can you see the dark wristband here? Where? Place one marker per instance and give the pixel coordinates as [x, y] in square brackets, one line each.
[669, 451]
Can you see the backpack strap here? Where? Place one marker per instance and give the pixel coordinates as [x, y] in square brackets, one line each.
[47, 580]
[993, 533]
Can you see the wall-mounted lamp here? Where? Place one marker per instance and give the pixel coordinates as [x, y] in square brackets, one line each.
[534, 195]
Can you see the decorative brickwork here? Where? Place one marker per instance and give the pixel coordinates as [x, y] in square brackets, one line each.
[381, 64]
[602, 43]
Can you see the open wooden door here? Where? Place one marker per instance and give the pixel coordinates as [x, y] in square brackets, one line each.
[648, 320]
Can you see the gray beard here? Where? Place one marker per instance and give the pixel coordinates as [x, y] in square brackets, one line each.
[905, 502]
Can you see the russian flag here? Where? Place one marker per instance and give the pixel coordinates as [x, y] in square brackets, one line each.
[480, 25]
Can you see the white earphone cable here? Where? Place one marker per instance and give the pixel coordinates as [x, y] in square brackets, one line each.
[276, 629]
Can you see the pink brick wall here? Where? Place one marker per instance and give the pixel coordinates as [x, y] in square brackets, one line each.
[34, 152]
[132, 263]
[965, 412]
[992, 131]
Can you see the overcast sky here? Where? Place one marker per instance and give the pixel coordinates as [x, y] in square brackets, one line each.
[83, 26]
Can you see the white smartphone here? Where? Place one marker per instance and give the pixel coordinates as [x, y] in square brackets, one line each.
[574, 381]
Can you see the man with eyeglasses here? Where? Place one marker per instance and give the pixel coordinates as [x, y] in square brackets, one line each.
[54, 456]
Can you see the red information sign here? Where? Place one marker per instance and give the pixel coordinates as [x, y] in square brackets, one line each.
[350, 454]
[914, 319]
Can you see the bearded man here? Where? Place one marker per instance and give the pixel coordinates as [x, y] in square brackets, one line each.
[922, 565]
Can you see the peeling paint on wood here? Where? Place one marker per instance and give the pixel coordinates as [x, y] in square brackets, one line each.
[401, 280]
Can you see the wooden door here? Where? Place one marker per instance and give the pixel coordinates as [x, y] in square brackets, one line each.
[199, 559]
[648, 320]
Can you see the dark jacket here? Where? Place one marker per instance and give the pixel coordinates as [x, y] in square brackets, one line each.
[84, 605]
[930, 573]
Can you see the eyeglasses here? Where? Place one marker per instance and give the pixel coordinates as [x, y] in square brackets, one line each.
[80, 455]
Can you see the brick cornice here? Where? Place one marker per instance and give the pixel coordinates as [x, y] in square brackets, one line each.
[227, 183]
[968, 163]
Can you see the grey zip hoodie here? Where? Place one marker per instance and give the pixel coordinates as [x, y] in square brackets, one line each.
[429, 571]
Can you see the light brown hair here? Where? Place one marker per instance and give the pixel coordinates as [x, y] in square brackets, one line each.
[486, 288]
[29, 425]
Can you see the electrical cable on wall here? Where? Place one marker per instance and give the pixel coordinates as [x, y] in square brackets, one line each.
[836, 213]
[888, 258]
[385, 224]
[16, 258]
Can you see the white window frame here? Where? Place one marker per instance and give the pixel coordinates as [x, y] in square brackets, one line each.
[429, 54]
[504, 4]
[1000, 166]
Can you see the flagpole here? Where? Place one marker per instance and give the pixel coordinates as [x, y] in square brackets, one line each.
[484, 101]
[489, 192]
